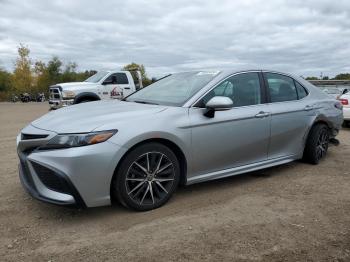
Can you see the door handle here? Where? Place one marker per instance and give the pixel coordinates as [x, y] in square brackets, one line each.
[127, 88]
[262, 114]
[308, 108]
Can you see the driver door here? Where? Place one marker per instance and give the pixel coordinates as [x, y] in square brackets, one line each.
[235, 137]
[110, 87]
[116, 86]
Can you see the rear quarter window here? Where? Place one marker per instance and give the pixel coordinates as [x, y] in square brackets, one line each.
[301, 90]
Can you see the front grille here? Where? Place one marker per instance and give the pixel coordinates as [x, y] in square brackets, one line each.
[51, 179]
[55, 92]
[33, 136]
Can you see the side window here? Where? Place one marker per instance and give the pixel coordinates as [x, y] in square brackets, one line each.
[122, 79]
[301, 90]
[243, 89]
[110, 80]
[281, 87]
[117, 78]
[224, 89]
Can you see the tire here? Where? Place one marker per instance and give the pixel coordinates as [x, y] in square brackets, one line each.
[317, 144]
[147, 177]
[346, 123]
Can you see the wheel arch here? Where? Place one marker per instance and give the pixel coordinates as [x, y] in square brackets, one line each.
[86, 95]
[317, 121]
[321, 119]
[168, 143]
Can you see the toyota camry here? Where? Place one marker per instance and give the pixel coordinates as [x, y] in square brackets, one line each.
[183, 129]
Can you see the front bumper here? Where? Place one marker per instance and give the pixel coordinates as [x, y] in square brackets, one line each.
[55, 104]
[79, 176]
[40, 190]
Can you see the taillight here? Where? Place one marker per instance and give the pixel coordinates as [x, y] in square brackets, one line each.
[344, 101]
[338, 105]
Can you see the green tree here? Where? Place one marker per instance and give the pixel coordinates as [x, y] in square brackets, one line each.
[311, 78]
[69, 73]
[81, 76]
[22, 76]
[54, 70]
[5, 80]
[133, 67]
[42, 77]
[343, 76]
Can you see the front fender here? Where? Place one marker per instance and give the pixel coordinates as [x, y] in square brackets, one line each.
[158, 135]
[87, 95]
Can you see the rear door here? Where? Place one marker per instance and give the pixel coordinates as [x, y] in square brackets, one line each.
[235, 137]
[291, 115]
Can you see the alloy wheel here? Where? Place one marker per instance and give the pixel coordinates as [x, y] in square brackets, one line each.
[322, 144]
[150, 178]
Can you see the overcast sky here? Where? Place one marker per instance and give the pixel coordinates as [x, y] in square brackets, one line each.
[300, 36]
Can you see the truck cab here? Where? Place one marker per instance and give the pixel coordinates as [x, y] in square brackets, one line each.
[102, 85]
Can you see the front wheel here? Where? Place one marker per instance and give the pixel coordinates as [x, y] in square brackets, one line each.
[147, 177]
[317, 144]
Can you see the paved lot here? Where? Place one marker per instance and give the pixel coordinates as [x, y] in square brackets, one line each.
[295, 212]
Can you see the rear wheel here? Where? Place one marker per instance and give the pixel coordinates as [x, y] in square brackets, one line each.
[317, 144]
[147, 177]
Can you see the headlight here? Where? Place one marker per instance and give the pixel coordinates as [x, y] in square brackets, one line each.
[75, 140]
[68, 94]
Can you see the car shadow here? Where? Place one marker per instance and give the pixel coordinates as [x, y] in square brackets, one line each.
[182, 201]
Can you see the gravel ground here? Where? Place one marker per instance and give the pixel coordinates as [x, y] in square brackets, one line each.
[295, 212]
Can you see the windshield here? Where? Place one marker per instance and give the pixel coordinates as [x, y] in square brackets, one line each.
[96, 77]
[174, 89]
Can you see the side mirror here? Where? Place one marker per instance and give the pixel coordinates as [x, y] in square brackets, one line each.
[217, 103]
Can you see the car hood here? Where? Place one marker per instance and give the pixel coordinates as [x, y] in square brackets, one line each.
[88, 116]
[76, 85]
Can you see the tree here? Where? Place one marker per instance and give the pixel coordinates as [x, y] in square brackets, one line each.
[311, 78]
[38, 78]
[133, 67]
[42, 78]
[343, 76]
[54, 70]
[22, 76]
[69, 74]
[5, 80]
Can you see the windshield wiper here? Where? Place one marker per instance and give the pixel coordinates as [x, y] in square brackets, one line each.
[144, 102]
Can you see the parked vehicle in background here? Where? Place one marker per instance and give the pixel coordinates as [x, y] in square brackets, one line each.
[185, 128]
[345, 100]
[14, 98]
[25, 97]
[333, 91]
[102, 85]
[40, 97]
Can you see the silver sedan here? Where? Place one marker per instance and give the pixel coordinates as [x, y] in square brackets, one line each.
[186, 128]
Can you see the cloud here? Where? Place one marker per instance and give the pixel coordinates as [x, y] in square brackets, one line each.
[302, 37]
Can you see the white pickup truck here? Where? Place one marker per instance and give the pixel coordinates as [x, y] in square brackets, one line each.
[102, 85]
